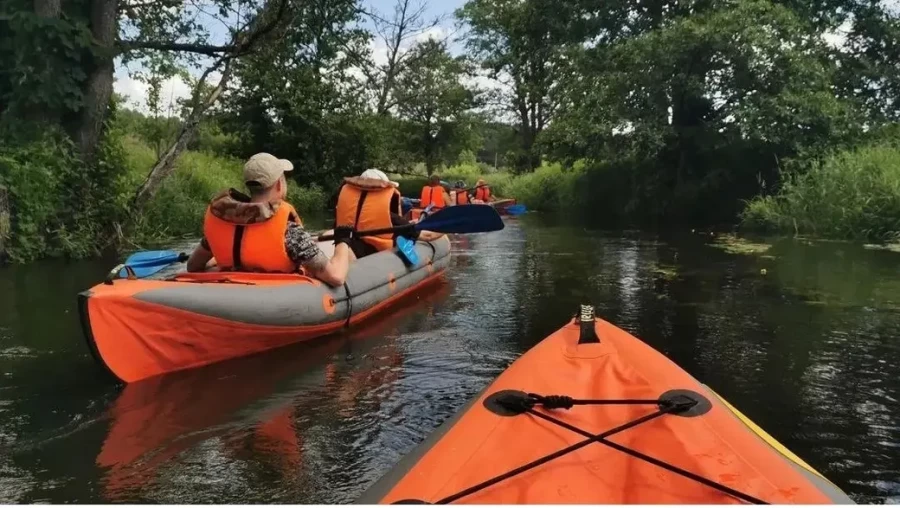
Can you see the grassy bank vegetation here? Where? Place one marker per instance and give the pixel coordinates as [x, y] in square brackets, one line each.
[852, 194]
[60, 211]
[177, 209]
[550, 188]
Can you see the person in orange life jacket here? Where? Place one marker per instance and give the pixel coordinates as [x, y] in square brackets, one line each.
[482, 192]
[434, 194]
[461, 195]
[372, 201]
[263, 232]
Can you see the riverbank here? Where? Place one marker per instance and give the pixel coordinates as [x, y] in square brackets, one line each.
[53, 205]
[850, 195]
[549, 188]
[177, 209]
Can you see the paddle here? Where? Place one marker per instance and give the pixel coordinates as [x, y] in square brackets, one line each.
[450, 220]
[515, 209]
[407, 250]
[146, 263]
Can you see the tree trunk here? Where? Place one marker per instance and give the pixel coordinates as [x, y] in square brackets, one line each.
[42, 114]
[5, 222]
[99, 85]
[47, 8]
[165, 165]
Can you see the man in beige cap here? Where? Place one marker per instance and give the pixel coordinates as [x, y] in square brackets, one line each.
[263, 233]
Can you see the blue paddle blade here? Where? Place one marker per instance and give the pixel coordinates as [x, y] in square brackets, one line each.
[407, 250]
[152, 256]
[146, 263]
[462, 219]
[515, 209]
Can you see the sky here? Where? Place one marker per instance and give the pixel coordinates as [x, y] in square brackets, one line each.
[173, 89]
[135, 92]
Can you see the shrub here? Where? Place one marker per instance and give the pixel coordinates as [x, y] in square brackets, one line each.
[854, 194]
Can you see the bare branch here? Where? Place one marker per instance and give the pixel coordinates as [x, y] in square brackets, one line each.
[165, 165]
[201, 49]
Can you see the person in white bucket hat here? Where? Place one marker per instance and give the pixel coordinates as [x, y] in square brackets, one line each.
[378, 174]
[373, 201]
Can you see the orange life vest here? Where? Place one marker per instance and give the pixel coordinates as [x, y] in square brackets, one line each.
[366, 203]
[255, 247]
[462, 197]
[432, 195]
[483, 193]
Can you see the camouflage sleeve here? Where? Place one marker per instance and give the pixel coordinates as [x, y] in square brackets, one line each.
[303, 248]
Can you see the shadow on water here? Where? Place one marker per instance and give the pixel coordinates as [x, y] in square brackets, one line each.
[801, 337]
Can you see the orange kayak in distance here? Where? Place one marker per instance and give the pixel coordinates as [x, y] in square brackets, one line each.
[592, 415]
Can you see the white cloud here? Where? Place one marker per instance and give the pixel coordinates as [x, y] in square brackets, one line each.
[136, 92]
[837, 38]
[437, 33]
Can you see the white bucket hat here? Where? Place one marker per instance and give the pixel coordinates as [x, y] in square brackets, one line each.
[377, 174]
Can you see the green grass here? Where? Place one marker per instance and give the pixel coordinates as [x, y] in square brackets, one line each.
[549, 188]
[852, 195]
[177, 209]
[737, 245]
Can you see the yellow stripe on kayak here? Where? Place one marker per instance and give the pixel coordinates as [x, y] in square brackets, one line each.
[767, 438]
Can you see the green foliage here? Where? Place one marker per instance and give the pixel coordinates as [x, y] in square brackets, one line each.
[548, 188]
[433, 101]
[853, 194]
[466, 157]
[308, 200]
[177, 209]
[41, 63]
[521, 43]
[58, 206]
[700, 110]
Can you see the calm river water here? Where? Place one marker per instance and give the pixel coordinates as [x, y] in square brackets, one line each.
[803, 338]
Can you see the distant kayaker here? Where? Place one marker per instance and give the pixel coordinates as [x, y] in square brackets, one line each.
[461, 194]
[434, 194]
[372, 201]
[482, 192]
[263, 233]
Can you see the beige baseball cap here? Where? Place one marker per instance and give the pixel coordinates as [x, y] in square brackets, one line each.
[265, 169]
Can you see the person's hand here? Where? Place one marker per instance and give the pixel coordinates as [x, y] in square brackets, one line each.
[410, 232]
[343, 234]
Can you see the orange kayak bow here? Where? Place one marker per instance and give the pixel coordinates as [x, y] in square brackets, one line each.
[593, 415]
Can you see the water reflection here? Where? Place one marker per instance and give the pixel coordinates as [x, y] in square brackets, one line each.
[806, 350]
[247, 419]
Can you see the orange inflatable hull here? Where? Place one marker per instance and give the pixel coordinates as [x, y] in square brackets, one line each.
[639, 430]
[142, 328]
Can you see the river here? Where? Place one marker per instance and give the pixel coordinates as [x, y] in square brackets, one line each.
[801, 336]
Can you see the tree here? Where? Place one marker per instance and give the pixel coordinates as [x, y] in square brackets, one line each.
[299, 96]
[430, 96]
[84, 39]
[409, 22]
[520, 44]
[705, 104]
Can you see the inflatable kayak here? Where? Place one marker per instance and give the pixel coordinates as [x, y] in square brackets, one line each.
[502, 204]
[139, 328]
[593, 415]
[503, 207]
